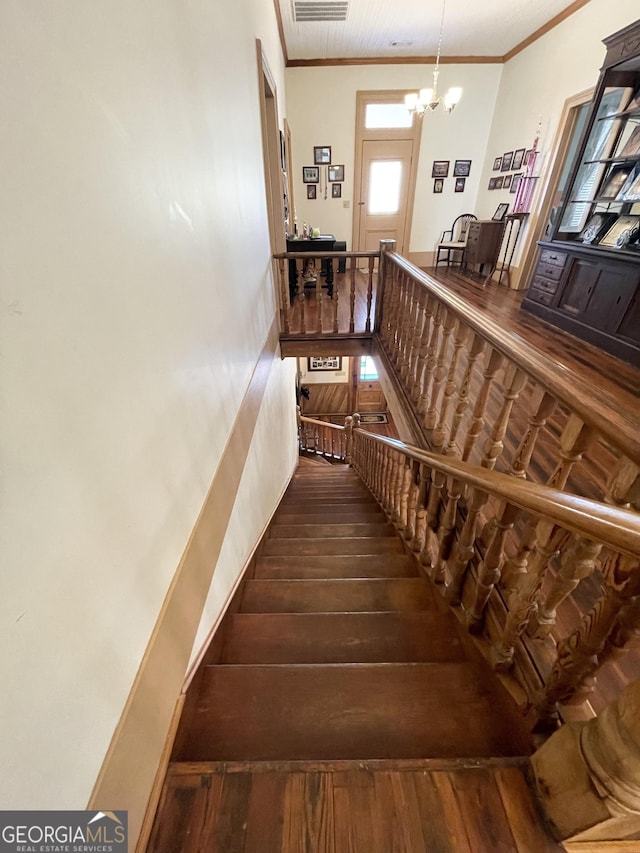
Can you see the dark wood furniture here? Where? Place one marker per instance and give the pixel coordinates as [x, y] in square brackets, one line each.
[483, 244]
[323, 243]
[587, 275]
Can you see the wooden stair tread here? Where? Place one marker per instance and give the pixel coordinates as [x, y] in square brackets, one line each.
[341, 638]
[342, 595]
[330, 515]
[306, 712]
[331, 531]
[328, 566]
[337, 545]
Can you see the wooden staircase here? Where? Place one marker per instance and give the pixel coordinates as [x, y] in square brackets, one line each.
[343, 669]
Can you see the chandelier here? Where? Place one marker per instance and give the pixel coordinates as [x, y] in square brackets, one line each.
[428, 99]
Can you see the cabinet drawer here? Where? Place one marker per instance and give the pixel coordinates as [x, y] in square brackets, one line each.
[543, 296]
[549, 270]
[548, 285]
[550, 256]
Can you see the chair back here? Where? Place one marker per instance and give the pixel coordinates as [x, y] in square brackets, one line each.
[460, 227]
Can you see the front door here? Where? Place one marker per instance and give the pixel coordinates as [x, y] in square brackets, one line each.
[384, 186]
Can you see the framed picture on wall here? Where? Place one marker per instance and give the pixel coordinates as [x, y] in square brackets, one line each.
[327, 362]
[440, 169]
[515, 182]
[312, 191]
[336, 190]
[507, 181]
[497, 164]
[518, 158]
[459, 187]
[310, 174]
[322, 155]
[462, 168]
[438, 185]
[507, 159]
[499, 182]
[336, 173]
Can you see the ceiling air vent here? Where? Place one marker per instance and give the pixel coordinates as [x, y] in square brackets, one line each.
[320, 10]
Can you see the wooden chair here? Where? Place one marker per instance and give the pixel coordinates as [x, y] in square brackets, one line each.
[454, 239]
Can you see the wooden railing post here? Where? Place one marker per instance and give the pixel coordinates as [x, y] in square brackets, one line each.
[588, 774]
[383, 272]
[348, 425]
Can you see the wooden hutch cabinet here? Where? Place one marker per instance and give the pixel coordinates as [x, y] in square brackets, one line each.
[587, 276]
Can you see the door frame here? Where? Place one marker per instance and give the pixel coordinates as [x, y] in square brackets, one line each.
[363, 134]
[271, 152]
[550, 180]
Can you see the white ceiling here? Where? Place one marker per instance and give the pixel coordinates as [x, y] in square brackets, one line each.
[471, 28]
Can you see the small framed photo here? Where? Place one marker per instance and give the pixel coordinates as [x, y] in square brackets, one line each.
[507, 159]
[497, 164]
[492, 182]
[440, 169]
[336, 173]
[336, 190]
[322, 155]
[461, 168]
[527, 157]
[507, 181]
[623, 231]
[312, 191]
[597, 226]
[310, 174]
[459, 187]
[501, 212]
[515, 182]
[327, 362]
[614, 182]
[438, 185]
[518, 158]
[499, 182]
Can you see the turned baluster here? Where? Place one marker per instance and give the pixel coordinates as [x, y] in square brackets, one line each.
[447, 529]
[574, 441]
[392, 295]
[419, 538]
[352, 295]
[464, 549]
[318, 302]
[429, 307]
[523, 602]
[301, 300]
[405, 489]
[403, 289]
[578, 654]
[490, 568]
[543, 404]
[515, 380]
[369, 294]
[494, 363]
[434, 503]
[477, 346]
[578, 562]
[432, 360]
[384, 269]
[412, 503]
[284, 295]
[412, 373]
[334, 308]
[387, 479]
[460, 338]
[409, 329]
[440, 371]
[398, 475]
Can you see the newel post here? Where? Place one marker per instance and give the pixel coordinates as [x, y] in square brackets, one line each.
[348, 425]
[588, 774]
[385, 246]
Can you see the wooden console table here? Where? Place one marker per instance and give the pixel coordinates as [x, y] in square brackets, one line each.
[323, 243]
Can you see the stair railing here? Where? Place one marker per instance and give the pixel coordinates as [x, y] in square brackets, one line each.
[420, 492]
[311, 307]
[331, 441]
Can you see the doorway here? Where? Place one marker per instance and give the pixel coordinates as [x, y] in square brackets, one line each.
[386, 165]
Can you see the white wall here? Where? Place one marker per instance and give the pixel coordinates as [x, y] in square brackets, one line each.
[321, 105]
[134, 309]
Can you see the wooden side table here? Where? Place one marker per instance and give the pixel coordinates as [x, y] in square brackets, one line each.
[483, 244]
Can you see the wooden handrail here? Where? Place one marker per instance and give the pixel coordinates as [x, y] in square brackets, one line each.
[306, 255]
[593, 405]
[615, 527]
[306, 420]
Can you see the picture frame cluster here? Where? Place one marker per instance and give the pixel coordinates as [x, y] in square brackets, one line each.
[333, 173]
[440, 171]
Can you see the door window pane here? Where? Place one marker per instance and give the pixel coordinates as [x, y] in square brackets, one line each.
[384, 186]
[387, 115]
[368, 371]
